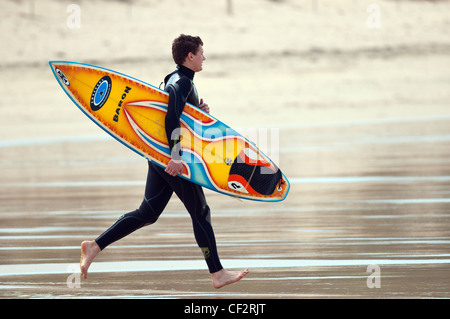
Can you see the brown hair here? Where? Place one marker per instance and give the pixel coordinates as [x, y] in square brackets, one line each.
[184, 44]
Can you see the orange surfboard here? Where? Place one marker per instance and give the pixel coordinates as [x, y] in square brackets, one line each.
[133, 112]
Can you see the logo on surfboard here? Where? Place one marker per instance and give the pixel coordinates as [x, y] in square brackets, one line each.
[100, 93]
[62, 76]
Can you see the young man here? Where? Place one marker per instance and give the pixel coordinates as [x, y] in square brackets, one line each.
[187, 53]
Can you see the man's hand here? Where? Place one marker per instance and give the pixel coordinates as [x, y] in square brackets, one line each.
[174, 168]
[204, 106]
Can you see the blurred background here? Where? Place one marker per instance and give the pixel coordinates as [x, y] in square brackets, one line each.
[314, 61]
[358, 92]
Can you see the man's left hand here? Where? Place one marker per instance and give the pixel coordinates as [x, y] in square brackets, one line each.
[174, 168]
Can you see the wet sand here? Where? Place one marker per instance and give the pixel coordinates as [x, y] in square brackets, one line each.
[360, 199]
[363, 133]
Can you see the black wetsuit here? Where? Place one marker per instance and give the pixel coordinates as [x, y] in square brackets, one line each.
[160, 185]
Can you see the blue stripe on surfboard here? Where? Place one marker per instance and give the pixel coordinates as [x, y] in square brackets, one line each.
[198, 169]
[213, 131]
[164, 149]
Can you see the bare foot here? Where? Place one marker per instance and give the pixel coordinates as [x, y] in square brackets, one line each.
[225, 277]
[89, 249]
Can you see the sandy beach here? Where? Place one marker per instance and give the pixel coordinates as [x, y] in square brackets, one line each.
[356, 94]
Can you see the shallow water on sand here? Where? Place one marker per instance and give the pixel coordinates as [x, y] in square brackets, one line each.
[355, 201]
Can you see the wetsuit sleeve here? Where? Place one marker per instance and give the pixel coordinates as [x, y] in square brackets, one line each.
[178, 94]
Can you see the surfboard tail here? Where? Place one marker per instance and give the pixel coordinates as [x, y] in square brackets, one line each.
[252, 174]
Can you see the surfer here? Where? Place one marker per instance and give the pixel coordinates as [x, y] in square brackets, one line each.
[187, 52]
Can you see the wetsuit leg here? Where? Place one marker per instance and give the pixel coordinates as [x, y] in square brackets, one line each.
[194, 200]
[157, 195]
[158, 190]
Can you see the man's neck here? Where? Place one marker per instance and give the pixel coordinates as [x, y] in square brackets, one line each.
[186, 71]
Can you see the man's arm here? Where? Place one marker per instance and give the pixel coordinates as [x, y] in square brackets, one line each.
[178, 94]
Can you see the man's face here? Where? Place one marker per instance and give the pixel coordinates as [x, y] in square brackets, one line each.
[197, 59]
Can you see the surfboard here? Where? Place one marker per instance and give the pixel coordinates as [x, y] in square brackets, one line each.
[214, 155]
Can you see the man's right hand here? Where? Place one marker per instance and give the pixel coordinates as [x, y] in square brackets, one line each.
[203, 106]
